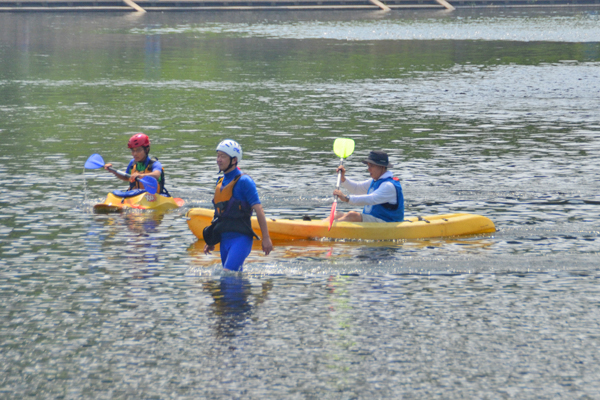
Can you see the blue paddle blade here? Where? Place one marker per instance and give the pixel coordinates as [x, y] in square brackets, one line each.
[150, 184]
[94, 162]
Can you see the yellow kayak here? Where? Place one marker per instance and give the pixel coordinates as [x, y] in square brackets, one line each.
[412, 228]
[144, 201]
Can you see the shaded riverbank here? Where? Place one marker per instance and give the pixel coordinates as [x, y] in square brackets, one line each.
[240, 5]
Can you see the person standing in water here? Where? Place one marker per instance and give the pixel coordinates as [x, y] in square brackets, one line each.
[142, 165]
[235, 199]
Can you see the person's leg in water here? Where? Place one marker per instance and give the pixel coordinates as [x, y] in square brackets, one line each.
[235, 248]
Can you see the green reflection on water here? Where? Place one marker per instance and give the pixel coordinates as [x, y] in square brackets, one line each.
[83, 84]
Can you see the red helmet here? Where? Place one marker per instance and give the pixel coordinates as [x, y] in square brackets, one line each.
[138, 140]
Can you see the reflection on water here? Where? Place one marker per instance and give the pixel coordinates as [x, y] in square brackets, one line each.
[232, 307]
[143, 223]
[339, 256]
[487, 112]
[152, 59]
[105, 237]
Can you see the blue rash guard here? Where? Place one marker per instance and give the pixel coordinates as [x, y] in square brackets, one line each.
[235, 246]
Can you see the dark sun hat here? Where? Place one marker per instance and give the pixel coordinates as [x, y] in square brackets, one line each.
[378, 158]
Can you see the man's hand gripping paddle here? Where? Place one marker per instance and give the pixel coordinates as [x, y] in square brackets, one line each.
[342, 148]
[95, 161]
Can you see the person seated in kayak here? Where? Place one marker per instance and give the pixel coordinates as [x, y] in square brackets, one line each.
[142, 165]
[235, 199]
[381, 195]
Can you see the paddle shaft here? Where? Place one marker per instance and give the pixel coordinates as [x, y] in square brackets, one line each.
[149, 182]
[342, 148]
[120, 173]
[339, 179]
[335, 198]
[95, 161]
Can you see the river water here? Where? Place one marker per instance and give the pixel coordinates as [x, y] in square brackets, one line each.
[486, 112]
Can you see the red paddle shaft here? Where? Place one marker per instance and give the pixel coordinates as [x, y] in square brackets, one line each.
[334, 205]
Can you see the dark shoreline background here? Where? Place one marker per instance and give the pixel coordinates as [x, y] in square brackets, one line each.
[240, 5]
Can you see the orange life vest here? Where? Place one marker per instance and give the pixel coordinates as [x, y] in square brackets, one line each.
[231, 215]
[223, 195]
[140, 185]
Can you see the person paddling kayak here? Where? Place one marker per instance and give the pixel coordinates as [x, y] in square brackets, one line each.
[381, 195]
[235, 199]
[141, 165]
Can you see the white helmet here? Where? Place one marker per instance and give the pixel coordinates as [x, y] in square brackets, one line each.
[231, 148]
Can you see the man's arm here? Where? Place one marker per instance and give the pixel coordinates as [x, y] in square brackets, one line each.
[267, 245]
[386, 193]
[357, 187]
[114, 172]
[352, 186]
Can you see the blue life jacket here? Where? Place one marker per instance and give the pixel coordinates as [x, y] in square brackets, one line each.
[387, 212]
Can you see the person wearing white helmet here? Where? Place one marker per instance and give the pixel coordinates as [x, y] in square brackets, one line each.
[235, 199]
[232, 149]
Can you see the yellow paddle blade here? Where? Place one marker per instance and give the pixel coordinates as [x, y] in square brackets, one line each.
[343, 147]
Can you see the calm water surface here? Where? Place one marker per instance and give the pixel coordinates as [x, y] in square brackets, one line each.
[494, 113]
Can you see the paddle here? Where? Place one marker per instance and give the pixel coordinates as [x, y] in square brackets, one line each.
[95, 161]
[342, 148]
